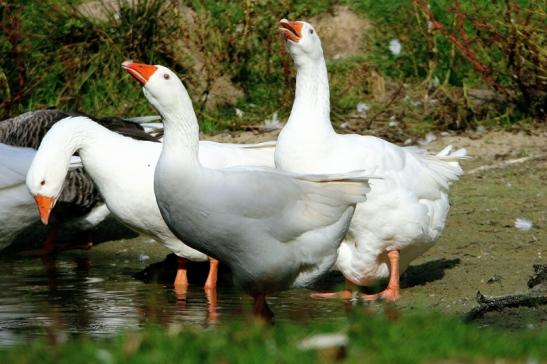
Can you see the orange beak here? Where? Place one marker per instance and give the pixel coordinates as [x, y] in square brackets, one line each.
[45, 205]
[140, 71]
[292, 30]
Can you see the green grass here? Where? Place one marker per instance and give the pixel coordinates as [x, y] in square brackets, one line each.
[373, 338]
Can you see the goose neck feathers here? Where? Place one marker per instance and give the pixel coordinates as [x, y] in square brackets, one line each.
[170, 98]
[68, 136]
[312, 93]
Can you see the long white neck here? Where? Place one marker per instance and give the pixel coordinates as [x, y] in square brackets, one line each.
[181, 130]
[94, 143]
[99, 148]
[311, 107]
[72, 135]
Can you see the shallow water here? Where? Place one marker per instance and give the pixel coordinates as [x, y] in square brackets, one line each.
[93, 293]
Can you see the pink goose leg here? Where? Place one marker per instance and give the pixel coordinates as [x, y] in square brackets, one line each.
[392, 291]
[211, 282]
[181, 279]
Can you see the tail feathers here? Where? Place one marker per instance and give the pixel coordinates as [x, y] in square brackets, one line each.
[154, 129]
[323, 203]
[349, 191]
[445, 164]
[350, 187]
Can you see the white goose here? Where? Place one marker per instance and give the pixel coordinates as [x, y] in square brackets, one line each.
[273, 229]
[123, 170]
[80, 204]
[405, 211]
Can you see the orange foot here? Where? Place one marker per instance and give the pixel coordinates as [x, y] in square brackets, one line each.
[388, 294]
[345, 294]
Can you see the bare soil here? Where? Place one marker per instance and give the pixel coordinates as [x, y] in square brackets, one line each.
[341, 31]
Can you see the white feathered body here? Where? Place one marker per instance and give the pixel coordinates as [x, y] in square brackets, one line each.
[406, 209]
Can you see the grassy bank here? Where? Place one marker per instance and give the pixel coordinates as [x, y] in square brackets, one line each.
[459, 65]
[372, 338]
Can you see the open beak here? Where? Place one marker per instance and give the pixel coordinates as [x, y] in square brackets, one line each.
[292, 30]
[45, 205]
[140, 71]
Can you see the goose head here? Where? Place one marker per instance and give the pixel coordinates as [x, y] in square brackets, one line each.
[45, 182]
[302, 41]
[161, 86]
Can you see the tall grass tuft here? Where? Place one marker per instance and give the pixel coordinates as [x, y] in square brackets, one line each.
[60, 56]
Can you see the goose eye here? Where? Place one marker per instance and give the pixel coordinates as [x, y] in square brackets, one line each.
[311, 31]
[42, 183]
[166, 76]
